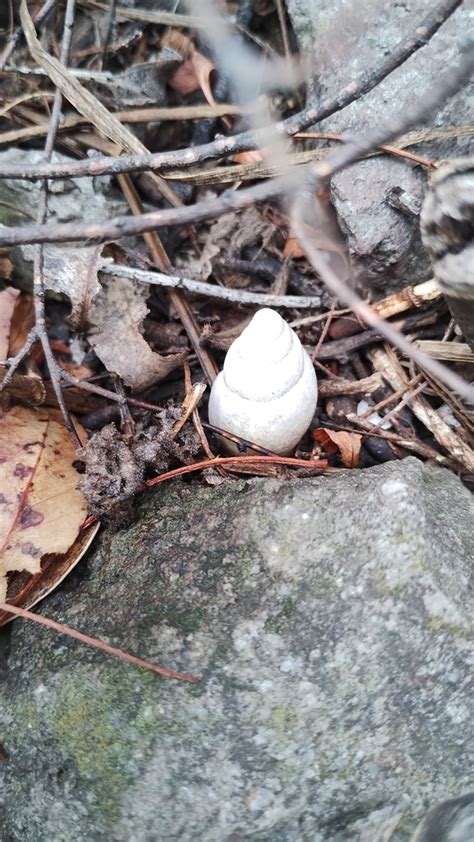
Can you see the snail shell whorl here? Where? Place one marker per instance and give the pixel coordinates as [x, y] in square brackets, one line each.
[267, 391]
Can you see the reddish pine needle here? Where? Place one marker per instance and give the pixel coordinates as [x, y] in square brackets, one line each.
[235, 461]
[99, 644]
[231, 462]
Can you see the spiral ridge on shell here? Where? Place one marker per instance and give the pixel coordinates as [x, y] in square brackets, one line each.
[267, 390]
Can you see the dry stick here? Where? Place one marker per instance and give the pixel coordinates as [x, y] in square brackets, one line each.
[324, 331]
[196, 417]
[40, 331]
[177, 298]
[108, 31]
[392, 150]
[249, 140]
[238, 296]
[336, 161]
[283, 28]
[340, 289]
[407, 397]
[393, 397]
[87, 104]
[303, 210]
[132, 115]
[386, 362]
[458, 352]
[38, 18]
[333, 388]
[93, 641]
[147, 16]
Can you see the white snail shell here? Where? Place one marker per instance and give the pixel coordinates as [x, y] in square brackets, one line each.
[268, 390]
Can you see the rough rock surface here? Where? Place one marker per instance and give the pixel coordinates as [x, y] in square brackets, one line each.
[343, 39]
[329, 620]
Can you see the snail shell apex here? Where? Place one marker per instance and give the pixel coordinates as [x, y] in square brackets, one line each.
[267, 391]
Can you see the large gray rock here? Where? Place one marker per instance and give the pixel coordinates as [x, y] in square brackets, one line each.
[344, 39]
[329, 620]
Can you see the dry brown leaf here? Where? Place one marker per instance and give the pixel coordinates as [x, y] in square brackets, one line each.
[6, 265]
[41, 509]
[72, 271]
[227, 236]
[293, 249]
[117, 315]
[25, 590]
[7, 304]
[347, 444]
[248, 157]
[195, 73]
[22, 321]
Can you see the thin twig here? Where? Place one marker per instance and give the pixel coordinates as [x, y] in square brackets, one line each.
[132, 115]
[393, 397]
[93, 641]
[320, 465]
[38, 18]
[109, 28]
[345, 294]
[283, 28]
[178, 300]
[238, 296]
[336, 161]
[39, 332]
[407, 397]
[387, 362]
[414, 445]
[327, 325]
[246, 141]
[148, 16]
[339, 386]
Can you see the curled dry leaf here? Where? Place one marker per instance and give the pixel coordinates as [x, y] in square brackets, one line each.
[6, 265]
[73, 271]
[26, 590]
[347, 444]
[117, 315]
[41, 508]
[227, 236]
[22, 321]
[16, 320]
[293, 249]
[195, 73]
[248, 157]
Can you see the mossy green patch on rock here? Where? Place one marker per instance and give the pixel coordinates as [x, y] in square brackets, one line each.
[284, 720]
[100, 722]
[318, 686]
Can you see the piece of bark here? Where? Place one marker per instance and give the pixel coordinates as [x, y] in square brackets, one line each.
[447, 229]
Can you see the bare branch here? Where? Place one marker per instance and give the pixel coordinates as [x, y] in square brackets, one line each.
[301, 217]
[238, 296]
[38, 18]
[39, 331]
[245, 141]
[337, 160]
